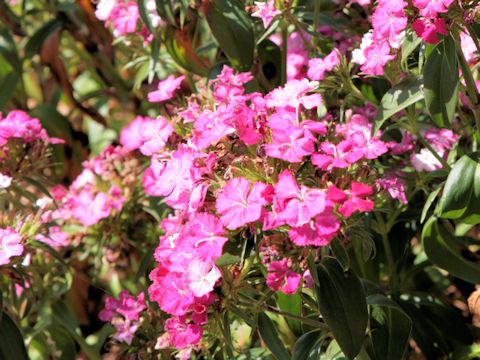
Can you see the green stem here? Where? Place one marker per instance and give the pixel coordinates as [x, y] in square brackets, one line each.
[386, 244]
[472, 91]
[284, 52]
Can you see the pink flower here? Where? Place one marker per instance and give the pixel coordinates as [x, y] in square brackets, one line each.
[290, 145]
[377, 56]
[352, 200]
[394, 186]
[166, 89]
[10, 245]
[154, 135]
[429, 28]
[281, 278]
[182, 334]
[211, 127]
[124, 314]
[426, 161]
[294, 94]
[130, 136]
[55, 237]
[317, 67]
[5, 181]
[296, 205]
[123, 17]
[171, 292]
[104, 9]
[431, 8]
[205, 236]
[336, 156]
[266, 11]
[318, 232]
[239, 203]
[201, 277]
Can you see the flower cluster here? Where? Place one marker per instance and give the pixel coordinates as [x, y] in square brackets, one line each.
[124, 314]
[285, 146]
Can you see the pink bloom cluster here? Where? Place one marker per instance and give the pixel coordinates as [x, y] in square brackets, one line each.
[10, 245]
[94, 195]
[428, 25]
[19, 125]
[211, 196]
[388, 22]
[441, 141]
[124, 314]
[124, 16]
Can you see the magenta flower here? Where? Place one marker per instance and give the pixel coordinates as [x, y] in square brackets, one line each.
[431, 8]
[10, 245]
[294, 94]
[166, 89]
[201, 277]
[181, 333]
[240, 203]
[5, 181]
[281, 278]
[266, 11]
[154, 135]
[297, 205]
[290, 145]
[352, 200]
[338, 156]
[394, 186]
[318, 232]
[429, 28]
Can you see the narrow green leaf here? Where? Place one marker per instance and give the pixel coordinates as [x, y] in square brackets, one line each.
[11, 340]
[269, 334]
[448, 253]
[9, 51]
[232, 28]
[340, 253]
[461, 195]
[144, 15]
[398, 98]
[390, 328]
[428, 203]
[35, 43]
[468, 352]
[306, 344]
[441, 81]
[9, 85]
[342, 303]
[291, 304]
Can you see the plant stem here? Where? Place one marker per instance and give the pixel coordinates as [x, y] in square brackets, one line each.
[472, 91]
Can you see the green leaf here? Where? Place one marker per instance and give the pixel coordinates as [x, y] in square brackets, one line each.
[291, 304]
[180, 48]
[9, 51]
[144, 15]
[390, 328]
[398, 98]
[340, 253]
[410, 43]
[35, 43]
[9, 83]
[468, 352]
[306, 345]
[271, 60]
[430, 199]
[269, 334]
[63, 342]
[447, 252]
[11, 340]
[232, 28]
[436, 327]
[342, 303]
[165, 10]
[441, 81]
[227, 259]
[461, 195]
